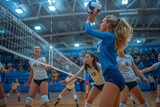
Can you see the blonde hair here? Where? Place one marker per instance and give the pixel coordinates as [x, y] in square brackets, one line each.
[123, 31]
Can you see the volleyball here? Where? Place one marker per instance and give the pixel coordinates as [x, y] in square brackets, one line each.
[92, 5]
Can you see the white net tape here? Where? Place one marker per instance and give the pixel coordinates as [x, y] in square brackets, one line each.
[19, 39]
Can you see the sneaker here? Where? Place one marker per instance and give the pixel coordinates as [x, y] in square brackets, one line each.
[19, 99]
[56, 103]
[134, 104]
[77, 105]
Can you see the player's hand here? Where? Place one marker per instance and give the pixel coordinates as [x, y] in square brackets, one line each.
[63, 82]
[9, 70]
[92, 16]
[27, 84]
[48, 68]
[146, 80]
[142, 71]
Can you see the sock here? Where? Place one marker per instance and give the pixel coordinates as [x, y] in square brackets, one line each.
[88, 105]
[58, 100]
[146, 104]
[122, 105]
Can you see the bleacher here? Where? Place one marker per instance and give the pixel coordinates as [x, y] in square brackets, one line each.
[23, 77]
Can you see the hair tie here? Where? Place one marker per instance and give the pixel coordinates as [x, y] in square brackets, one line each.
[118, 20]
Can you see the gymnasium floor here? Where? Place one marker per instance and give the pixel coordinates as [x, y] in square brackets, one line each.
[68, 101]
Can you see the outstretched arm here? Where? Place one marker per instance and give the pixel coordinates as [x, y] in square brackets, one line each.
[5, 70]
[76, 76]
[137, 71]
[72, 78]
[97, 34]
[148, 69]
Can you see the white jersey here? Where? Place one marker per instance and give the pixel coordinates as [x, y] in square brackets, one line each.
[71, 84]
[39, 72]
[125, 66]
[156, 64]
[95, 74]
[15, 85]
[1, 66]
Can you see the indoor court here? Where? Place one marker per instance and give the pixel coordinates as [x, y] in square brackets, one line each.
[68, 101]
[107, 43]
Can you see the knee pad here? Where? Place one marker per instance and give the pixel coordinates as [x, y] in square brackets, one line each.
[88, 105]
[8, 94]
[3, 101]
[29, 100]
[18, 94]
[158, 100]
[146, 104]
[122, 105]
[44, 98]
[75, 96]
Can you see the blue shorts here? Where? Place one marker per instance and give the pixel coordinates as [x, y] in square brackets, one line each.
[38, 82]
[100, 87]
[131, 85]
[114, 76]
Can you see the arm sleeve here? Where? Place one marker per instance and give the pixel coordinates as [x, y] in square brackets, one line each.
[101, 35]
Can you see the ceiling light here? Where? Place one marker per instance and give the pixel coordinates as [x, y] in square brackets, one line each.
[76, 45]
[139, 41]
[85, 4]
[52, 8]
[51, 47]
[19, 11]
[37, 27]
[124, 2]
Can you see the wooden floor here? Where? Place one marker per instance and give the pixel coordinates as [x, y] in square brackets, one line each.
[68, 101]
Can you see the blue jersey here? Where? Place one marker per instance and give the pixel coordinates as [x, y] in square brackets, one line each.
[106, 51]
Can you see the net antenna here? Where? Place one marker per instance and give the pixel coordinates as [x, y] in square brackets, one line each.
[19, 39]
[51, 47]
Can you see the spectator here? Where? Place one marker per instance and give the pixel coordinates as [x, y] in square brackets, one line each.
[151, 81]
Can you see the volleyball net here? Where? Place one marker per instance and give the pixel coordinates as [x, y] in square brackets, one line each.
[19, 39]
